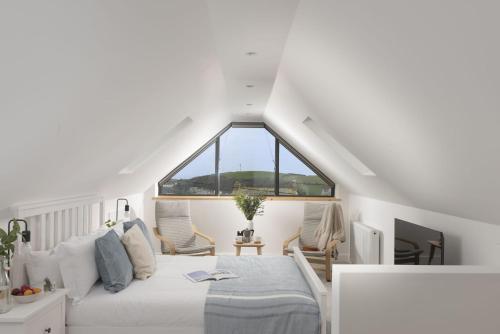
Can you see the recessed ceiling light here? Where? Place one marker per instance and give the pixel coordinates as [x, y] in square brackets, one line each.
[249, 86]
[251, 53]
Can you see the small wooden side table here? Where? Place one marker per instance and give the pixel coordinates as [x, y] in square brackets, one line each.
[249, 244]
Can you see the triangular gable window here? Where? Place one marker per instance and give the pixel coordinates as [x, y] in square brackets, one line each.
[247, 156]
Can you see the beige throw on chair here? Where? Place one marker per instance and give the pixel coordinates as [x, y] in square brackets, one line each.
[331, 226]
[321, 232]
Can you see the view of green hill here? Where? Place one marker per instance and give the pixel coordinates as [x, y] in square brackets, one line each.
[261, 182]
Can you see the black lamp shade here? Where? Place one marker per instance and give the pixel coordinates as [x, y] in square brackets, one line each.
[127, 208]
[26, 236]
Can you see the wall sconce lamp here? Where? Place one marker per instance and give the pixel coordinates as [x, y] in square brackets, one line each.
[127, 207]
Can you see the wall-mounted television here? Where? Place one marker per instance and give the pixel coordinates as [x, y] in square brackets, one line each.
[417, 245]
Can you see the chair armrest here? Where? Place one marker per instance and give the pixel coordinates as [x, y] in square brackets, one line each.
[204, 236]
[291, 238]
[331, 246]
[162, 238]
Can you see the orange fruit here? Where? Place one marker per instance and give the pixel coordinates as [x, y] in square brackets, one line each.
[37, 290]
[28, 292]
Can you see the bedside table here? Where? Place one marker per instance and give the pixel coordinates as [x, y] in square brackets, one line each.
[257, 246]
[44, 316]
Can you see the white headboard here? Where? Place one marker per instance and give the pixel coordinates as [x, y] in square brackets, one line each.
[52, 222]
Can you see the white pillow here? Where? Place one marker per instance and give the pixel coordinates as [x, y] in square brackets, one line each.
[140, 253]
[77, 264]
[118, 228]
[41, 265]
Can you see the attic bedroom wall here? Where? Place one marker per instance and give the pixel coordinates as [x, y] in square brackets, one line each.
[221, 219]
[371, 200]
[409, 88]
[467, 242]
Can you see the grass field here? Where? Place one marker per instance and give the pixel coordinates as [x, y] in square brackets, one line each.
[261, 182]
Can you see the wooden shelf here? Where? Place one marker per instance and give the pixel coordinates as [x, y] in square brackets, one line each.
[223, 198]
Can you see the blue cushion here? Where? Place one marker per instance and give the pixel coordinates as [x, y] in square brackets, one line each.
[112, 262]
[128, 225]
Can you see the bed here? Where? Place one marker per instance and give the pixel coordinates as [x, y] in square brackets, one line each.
[167, 302]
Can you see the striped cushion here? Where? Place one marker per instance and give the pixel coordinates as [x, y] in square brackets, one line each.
[166, 209]
[178, 230]
[200, 245]
[313, 212]
[173, 220]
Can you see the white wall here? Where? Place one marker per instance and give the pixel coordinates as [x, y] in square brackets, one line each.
[415, 299]
[221, 219]
[135, 202]
[466, 241]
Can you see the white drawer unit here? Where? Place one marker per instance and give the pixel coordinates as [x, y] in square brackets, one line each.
[45, 316]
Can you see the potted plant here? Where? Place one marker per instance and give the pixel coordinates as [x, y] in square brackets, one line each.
[250, 205]
[7, 241]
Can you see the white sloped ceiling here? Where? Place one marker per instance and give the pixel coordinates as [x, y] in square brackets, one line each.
[411, 89]
[407, 90]
[87, 86]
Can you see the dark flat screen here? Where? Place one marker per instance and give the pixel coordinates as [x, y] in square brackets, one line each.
[417, 245]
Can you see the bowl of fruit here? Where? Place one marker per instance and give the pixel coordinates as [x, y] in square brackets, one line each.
[26, 294]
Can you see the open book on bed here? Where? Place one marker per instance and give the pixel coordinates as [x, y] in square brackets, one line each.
[213, 275]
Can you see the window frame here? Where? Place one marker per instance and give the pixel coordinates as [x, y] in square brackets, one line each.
[278, 140]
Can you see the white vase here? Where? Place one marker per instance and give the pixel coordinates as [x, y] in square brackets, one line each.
[17, 274]
[250, 224]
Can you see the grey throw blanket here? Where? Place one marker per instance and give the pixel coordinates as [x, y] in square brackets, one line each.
[270, 297]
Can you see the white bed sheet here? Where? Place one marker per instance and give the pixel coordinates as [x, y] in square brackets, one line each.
[167, 299]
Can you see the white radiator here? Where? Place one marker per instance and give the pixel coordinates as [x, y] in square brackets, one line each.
[365, 244]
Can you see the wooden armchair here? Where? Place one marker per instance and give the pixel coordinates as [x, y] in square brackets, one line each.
[176, 232]
[312, 216]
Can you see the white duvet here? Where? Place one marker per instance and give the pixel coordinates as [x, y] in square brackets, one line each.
[167, 299]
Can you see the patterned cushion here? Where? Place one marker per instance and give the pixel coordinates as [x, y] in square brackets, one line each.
[179, 230]
[165, 209]
[174, 221]
[313, 212]
[199, 246]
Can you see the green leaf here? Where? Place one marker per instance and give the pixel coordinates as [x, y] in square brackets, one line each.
[10, 239]
[16, 228]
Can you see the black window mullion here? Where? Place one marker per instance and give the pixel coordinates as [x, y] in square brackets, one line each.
[276, 167]
[217, 159]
